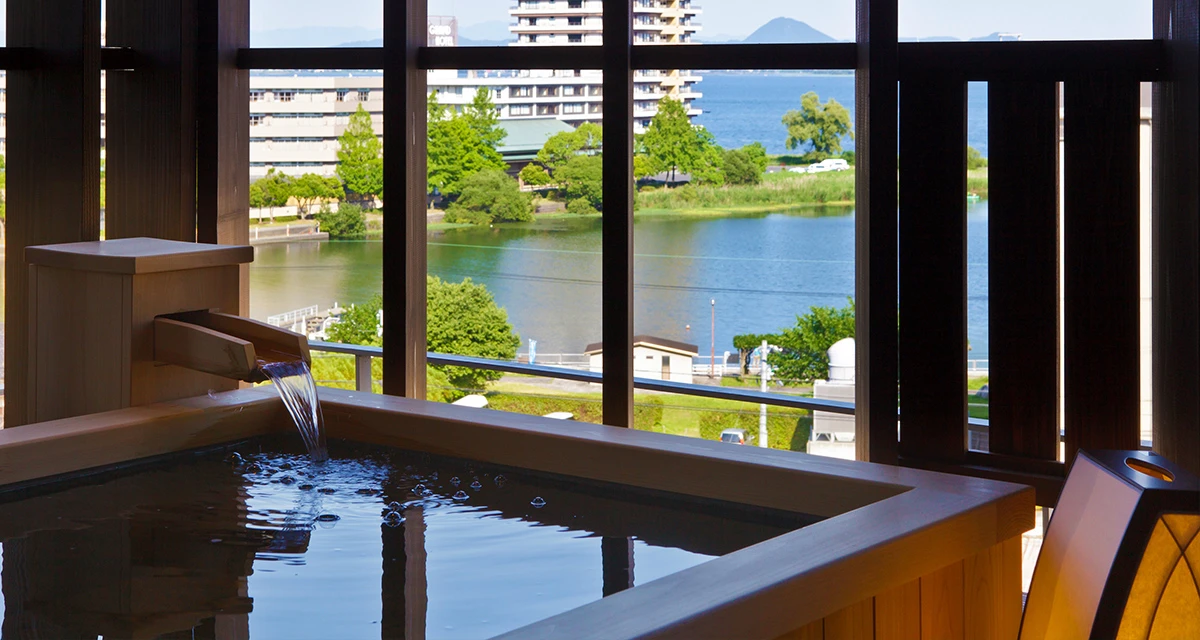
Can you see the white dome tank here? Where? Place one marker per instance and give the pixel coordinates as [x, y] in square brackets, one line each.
[841, 361]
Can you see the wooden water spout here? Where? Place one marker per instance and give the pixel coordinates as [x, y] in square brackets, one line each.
[225, 345]
[134, 321]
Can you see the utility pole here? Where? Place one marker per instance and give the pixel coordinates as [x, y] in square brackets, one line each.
[762, 408]
[712, 354]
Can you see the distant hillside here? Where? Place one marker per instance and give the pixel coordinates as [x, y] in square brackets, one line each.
[787, 30]
[462, 42]
[311, 36]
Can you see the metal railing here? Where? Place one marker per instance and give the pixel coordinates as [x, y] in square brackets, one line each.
[364, 354]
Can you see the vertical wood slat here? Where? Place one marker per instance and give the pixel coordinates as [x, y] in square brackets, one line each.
[992, 591]
[856, 622]
[404, 250]
[875, 231]
[53, 177]
[1176, 236]
[617, 228]
[932, 249]
[151, 121]
[222, 126]
[812, 631]
[1100, 264]
[898, 613]
[942, 604]
[1023, 268]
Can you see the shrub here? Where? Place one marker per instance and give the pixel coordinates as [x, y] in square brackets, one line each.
[348, 222]
[740, 168]
[785, 430]
[581, 207]
[490, 196]
[648, 413]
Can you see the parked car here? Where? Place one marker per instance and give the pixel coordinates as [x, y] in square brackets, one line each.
[734, 436]
[829, 164]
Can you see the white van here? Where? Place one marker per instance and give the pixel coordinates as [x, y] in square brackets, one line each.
[829, 164]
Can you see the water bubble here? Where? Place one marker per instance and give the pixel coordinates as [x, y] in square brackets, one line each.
[284, 466]
[455, 481]
[367, 492]
[305, 487]
[476, 485]
[418, 489]
[426, 493]
[408, 468]
[328, 517]
[393, 519]
[499, 480]
[461, 495]
[252, 468]
[538, 502]
[434, 476]
[287, 480]
[235, 459]
[326, 490]
[394, 506]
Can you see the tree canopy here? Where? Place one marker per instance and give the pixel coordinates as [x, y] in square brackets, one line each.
[483, 119]
[310, 189]
[819, 125]
[672, 143]
[462, 318]
[360, 156]
[975, 160]
[582, 179]
[489, 196]
[804, 346]
[455, 149]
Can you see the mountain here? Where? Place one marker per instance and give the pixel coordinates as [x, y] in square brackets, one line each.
[491, 31]
[787, 30]
[311, 36]
[462, 42]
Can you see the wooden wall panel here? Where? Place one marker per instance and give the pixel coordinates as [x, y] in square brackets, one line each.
[1100, 264]
[898, 613]
[404, 27]
[617, 233]
[1176, 236]
[223, 130]
[933, 285]
[992, 592]
[856, 622]
[1023, 268]
[875, 231]
[151, 121]
[53, 174]
[942, 604]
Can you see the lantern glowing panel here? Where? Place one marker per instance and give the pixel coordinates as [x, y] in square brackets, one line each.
[1122, 555]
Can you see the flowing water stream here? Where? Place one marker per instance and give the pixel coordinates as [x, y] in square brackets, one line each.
[295, 384]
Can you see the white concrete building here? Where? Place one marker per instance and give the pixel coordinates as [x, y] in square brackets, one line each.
[654, 358]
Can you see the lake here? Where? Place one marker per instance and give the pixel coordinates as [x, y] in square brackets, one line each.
[761, 271]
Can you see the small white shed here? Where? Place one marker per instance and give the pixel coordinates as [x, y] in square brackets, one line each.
[653, 357]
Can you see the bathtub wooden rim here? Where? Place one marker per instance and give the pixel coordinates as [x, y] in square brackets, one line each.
[932, 519]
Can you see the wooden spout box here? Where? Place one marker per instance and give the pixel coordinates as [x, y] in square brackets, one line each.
[92, 309]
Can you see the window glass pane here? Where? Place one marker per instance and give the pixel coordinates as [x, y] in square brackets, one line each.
[3, 153]
[750, 21]
[738, 238]
[932, 20]
[316, 23]
[316, 231]
[515, 208]
[977, 262]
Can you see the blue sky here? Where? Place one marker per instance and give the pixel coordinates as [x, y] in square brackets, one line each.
[1034, 19]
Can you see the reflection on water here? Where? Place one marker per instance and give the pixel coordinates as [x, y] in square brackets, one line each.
[762, 270]
[272, 545]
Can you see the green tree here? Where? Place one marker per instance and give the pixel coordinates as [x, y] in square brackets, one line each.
[804, 346]
[746, 343]
[740, 168]
[673, 144]
[360, 156]
[820, 125]
[975, 160]
[535, 175]
[484, 121]
[582, 178]
[757, 154]
[270, 191]
[347, 223]
[455, 150]
[488, 196]
[586, 139]
[461, 318]
[310, 189]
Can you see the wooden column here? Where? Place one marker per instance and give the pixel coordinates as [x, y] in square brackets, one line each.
[53, 181]
[617, 271]
[404, 27]
[933, 267]
[1176, 236]
[875, 232]
[222, 125]
[151, 117]
[1100, 264]
[1023, 267]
